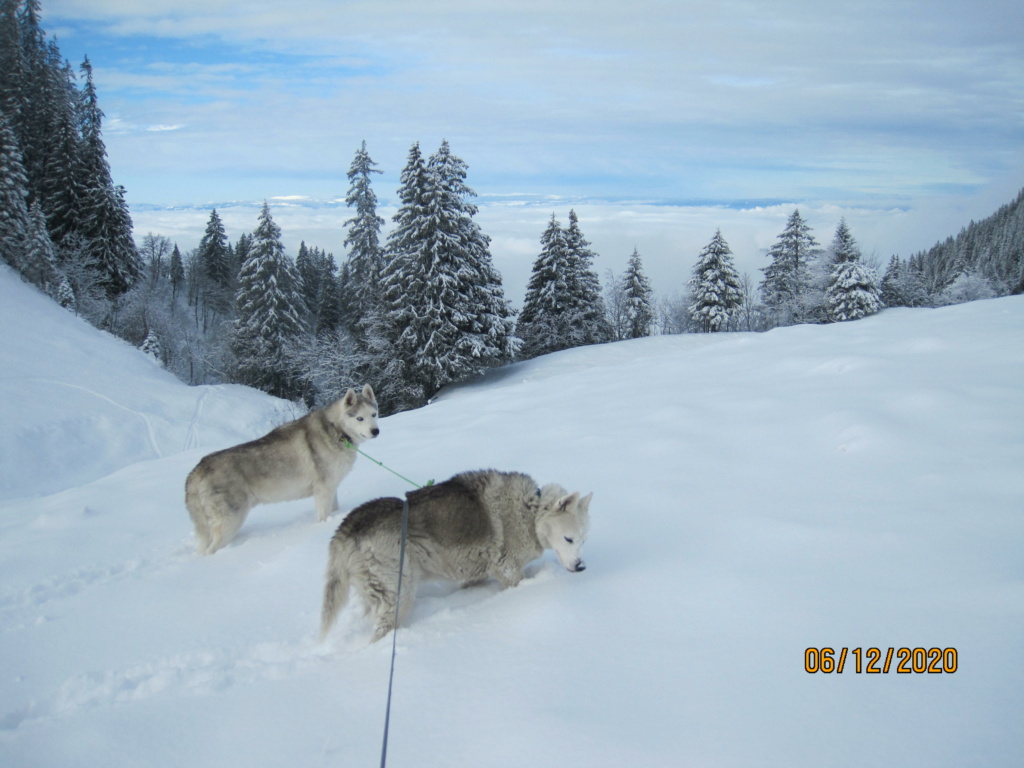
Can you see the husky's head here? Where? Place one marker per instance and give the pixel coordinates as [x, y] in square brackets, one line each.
[358, 414]
[562, 523]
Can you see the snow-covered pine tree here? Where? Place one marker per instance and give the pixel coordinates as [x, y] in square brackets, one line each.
[307, 271]
[214, 253]
[216, 277]
[464, 291]
[12, 84]
[43, 91]
[177, 273]
[544, 319]
[15, 224]
[903, 285]
[443, 316]
[346, 304]
[400, 277]
[243, 246]
[637, 296]
[269, 312]
[151, 348]
[715, 286]
[788, 279]
[40, 255]
[66, 294]
[590, 318]
[319, 288]
[852, 291]
[363, 239]
[890, 292]
[330, 318]
[563, 307]
[61, 190]
[106, 223]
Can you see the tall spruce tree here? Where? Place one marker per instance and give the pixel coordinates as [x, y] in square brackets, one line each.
[637, 296]
[363, 239]
[106, 222]
[329, 315]
[715, 286]
[319, 288]
[269, 312]
[61, 186]
[852, 291]
[545, 320]
[40, 257]
[14, 217]
[177, 273]
[788, 279]
[590, 323]
[563, 306]
[443, 315]
[12, 83]
[215, 283]
[214, 253]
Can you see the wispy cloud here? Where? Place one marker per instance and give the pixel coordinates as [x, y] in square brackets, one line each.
[882, 104]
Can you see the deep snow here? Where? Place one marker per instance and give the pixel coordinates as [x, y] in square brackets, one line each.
[851, 485]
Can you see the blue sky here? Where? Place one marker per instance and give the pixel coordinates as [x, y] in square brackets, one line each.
[658, 120]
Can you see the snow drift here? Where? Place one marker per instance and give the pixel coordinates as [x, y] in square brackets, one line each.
[856, 485]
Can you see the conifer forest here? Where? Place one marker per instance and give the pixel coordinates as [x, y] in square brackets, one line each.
[410, 306]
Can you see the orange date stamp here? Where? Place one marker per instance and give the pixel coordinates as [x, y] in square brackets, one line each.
[881, 661]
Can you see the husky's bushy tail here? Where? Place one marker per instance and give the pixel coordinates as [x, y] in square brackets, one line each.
[337, 582]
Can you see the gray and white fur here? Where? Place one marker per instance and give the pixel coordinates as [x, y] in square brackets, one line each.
[476, 526]
[306, 457]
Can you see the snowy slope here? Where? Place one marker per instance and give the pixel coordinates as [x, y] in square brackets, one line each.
[76, 404]
[853, 485]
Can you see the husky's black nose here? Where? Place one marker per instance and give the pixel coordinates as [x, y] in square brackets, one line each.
[374, 431]
[580, 566]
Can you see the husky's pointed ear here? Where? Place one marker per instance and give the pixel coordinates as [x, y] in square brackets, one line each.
[567, 501]
[350, 398]
[368, 393]
[585, 502]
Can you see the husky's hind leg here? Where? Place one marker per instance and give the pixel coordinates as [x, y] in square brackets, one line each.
[224, 520]
[195, 503]
[336, 584]
[383, 605]
[202, 530]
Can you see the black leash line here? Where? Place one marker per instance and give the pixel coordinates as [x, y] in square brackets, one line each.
[394, 631]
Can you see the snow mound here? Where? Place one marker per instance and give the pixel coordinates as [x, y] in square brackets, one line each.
[77, 404]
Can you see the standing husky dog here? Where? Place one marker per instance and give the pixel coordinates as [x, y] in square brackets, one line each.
[306, 457]
[475, 526]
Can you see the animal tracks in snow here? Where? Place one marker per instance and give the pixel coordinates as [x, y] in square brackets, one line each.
[68, 585]
[198, 673]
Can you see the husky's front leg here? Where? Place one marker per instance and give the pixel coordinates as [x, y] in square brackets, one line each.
[326, 499]
[510, 575]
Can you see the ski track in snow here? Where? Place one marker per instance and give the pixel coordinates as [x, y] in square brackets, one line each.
[153, 443]
[192, 436]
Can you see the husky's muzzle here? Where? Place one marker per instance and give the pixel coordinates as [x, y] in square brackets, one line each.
[578, 566]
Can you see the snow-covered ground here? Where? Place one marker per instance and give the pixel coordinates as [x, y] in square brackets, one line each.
[856, 485]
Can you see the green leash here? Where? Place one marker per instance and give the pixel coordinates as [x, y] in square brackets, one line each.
[358, 450]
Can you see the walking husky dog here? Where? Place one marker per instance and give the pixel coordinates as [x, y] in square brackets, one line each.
[475, 526]
[306, 457]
